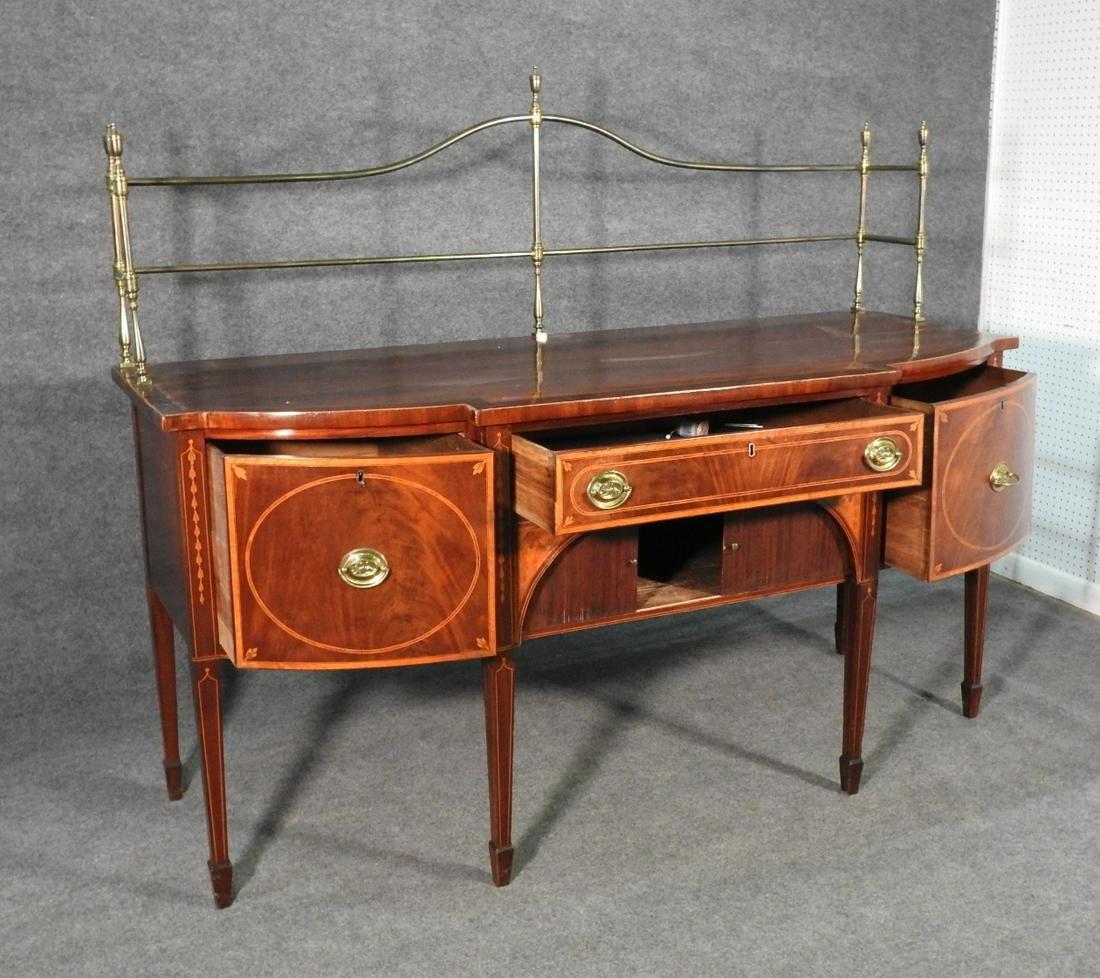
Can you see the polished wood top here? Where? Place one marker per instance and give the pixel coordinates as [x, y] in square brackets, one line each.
[499, 381]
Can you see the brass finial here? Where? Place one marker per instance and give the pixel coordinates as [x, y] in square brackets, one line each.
[922, 135]
[112, 141]
[536, 82]
[865, 135]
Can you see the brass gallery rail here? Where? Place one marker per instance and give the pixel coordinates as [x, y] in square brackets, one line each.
[126, 273]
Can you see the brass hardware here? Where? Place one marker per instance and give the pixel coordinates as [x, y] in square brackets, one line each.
[536, 202]
[363, 568]
[733, 546]
[360, 479]
[674, 245]
[126, 274]
[890, 239]
[252, 266]
[609, 490]
[725, 167]
[882, 454]
[373, 171]
[861, 231]
[752, 449]
[919, 244]
[1002, 477]
[132, 349]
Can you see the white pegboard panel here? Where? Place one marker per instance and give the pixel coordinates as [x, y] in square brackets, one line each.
[1041, 270]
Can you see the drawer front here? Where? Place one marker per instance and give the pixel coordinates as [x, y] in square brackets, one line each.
[709, 474]
[975, 505]
[354, 562]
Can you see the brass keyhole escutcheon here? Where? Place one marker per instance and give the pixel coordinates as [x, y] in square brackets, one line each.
[1002, 477]
[363, 568]
[882, 454]
[609, 490]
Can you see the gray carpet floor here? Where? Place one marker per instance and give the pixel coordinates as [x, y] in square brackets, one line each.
[677, 811]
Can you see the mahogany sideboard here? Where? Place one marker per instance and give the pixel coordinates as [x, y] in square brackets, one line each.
[417, 504]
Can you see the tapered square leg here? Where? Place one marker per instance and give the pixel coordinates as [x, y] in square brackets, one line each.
[164, 666]
[840, 626]
[499, 678]
[208, 720]
[860, 630]
[851, 770]
[977, 597]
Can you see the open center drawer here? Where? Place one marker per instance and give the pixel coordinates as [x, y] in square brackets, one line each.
[353, 553]
[568, 481]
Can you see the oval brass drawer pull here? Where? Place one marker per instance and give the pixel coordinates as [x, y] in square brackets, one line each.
[609, 490]
[882, 454]
[1002, 477]
[363, 568]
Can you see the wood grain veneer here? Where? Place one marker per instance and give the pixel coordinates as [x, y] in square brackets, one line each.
[289, 518]
[594, 578]
[954, 521]
[586, 374]
[801, 453]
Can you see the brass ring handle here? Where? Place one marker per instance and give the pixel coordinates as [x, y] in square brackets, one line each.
[1002, 477]
[882, 454]
[609, 490]
[363, 568]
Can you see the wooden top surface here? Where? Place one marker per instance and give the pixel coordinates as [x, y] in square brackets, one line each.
[497, 381]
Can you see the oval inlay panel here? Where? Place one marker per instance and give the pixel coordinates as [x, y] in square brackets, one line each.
[975, 515]
[431, 548]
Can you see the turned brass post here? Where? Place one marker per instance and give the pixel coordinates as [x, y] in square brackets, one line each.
[536, 204]
[132, 348]
[922, 170]
[861, 230]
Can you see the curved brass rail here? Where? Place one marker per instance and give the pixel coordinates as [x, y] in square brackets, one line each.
[692, 165]
[375, 171]
[372, 171]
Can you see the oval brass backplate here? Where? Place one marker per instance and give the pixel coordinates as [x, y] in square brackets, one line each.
[363, 568]
[609, 490]
[882, 454]
[1002, 477]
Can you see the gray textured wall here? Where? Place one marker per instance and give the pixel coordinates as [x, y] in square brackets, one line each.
[208, 87]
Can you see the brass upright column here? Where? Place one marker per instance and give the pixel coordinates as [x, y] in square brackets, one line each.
[922, 170]
[536, 207]
[861, 230]
[132, 356]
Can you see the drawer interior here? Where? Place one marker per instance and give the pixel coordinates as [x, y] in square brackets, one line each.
[409, 447]
[980, 380]
[679, 560]
[743, 421]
